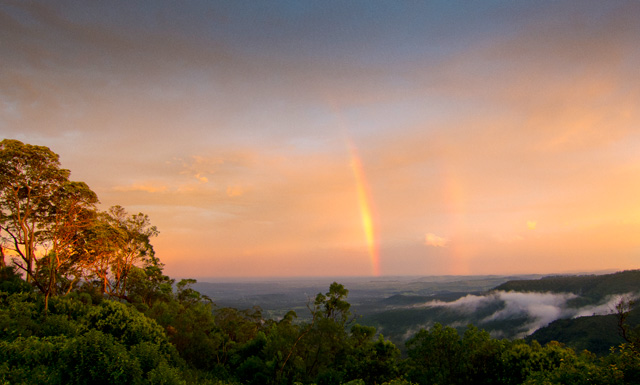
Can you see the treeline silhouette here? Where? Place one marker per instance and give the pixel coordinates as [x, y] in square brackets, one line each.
[84, 300]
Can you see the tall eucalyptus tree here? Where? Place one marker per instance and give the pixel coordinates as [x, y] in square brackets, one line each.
[30, 176]
[41, 213]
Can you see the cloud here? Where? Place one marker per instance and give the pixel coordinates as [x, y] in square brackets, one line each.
[202, 179]
[434, 240]
[607, 307]
[470, 132]
[148, 187]
[467, 304]
[235, 191]
[539, 308]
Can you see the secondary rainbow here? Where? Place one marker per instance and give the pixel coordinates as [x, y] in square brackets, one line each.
[364, 202]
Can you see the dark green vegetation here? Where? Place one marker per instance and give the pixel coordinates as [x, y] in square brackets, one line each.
[590, 288]
[596, 334]
[84, 301]
[506, 306]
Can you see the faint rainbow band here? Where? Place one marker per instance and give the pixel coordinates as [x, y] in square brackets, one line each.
[364, 202]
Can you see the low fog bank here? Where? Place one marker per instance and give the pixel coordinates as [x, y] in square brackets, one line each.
[539, 309]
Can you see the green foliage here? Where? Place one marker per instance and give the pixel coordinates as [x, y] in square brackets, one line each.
[594, 333]
[11, 281]
[164, 374]
[481, 356]
[582, 369]
[334, 304]
[127, 325]
[98, 358]
[398, 381]
[191, 328]
[74, 306]
[370, 359]
[186, 295]
[435, 356]
[19, 315]
[236, 328]
[626, 359]
[355, 382]
[78, 342]
[148, 285]
[30, 360]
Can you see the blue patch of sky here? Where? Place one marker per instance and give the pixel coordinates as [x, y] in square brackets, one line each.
[357, 29]
[362, 31]
[21, 14]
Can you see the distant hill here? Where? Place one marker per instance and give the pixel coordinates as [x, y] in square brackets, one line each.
[596, 333]
[573, 309]
[589, 288]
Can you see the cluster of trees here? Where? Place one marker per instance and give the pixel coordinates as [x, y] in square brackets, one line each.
[85, 301]
[182, 338]
[57, 236]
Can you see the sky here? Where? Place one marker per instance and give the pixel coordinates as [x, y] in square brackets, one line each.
[343, 138]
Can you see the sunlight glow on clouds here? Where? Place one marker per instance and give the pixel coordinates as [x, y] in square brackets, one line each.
[146, 187]
[226, 133]
[433, 240]
[235, 191]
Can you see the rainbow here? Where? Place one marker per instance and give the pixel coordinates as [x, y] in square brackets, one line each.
[454, 190]
[364, 201]
[364, 196]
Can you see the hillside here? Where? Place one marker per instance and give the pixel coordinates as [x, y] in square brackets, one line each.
[596, 333]
[589, 288]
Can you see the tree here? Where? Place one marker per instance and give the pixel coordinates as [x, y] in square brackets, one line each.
[326, 340]
[115, 243]
[72, 210]
[148, 284]
[623, 311]
[369, 359]
[41, 214]
[435, 356]
[334, 303]
[30, 176]
[627, 355]
[191, 328]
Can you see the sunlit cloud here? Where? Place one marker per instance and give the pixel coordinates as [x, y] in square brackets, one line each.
[202, 179]
[142, 187]
[434, 240]
[235, 191]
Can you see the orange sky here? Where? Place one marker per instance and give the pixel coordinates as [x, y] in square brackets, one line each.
[313, 139]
